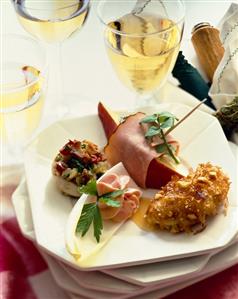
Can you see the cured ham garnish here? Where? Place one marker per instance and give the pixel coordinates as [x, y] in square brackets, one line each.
[86, 218]
[107, 212]
[130, 205]
[129, 200]
[128, 145]
[111, 182]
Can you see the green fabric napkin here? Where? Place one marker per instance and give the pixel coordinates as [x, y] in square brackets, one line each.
[190, 80]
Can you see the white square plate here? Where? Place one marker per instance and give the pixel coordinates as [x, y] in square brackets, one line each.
[68, 279]
[201, 139]
[99, 281]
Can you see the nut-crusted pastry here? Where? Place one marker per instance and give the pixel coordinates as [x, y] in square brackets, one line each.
[184, 204]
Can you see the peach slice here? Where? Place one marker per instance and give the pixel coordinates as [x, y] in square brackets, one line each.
[159, 170]
[109, 119]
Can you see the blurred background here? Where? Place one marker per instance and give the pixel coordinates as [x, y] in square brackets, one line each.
[84, 60]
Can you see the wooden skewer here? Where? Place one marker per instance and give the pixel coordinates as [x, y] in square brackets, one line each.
[186, 116]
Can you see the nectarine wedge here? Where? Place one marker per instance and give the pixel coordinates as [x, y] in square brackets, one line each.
[127, 144]
[109, 120]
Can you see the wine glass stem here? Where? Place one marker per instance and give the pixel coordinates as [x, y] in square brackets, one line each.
[143, 100]
[58, 74]
[56, 82]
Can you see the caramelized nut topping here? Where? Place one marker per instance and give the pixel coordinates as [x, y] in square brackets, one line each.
[183, 184]
[202, 179]
[192, 216]
[185, 204]
[212, 174]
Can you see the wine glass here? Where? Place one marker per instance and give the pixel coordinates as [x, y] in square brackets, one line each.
[23, 87]
[53, 22]
[142, 41]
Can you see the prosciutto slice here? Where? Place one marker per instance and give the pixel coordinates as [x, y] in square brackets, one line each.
[130, 205]
[129, 200]
[112, 182]
[128, 145]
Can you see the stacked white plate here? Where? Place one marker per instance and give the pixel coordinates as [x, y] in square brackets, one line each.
[133, 263]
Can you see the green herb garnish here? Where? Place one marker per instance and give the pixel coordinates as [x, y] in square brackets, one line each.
[228, 117]
[158, 122]
[109, 198]
[90, 188]
[91, 212]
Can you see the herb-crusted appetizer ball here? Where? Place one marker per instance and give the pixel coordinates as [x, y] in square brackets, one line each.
[77, 163]
[185, 204]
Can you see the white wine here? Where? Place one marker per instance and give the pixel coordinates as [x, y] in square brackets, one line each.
[21, 105]
[52, 21]
[143, 50]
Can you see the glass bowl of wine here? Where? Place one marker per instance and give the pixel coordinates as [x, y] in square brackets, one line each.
[24, 72]
[142, 41]
[52, 22]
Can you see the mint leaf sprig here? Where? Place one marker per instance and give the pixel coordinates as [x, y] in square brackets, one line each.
[91, 213]
[159, 122]
[163, 120]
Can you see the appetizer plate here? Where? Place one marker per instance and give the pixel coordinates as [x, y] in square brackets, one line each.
[65, 281]
[22, 207]
[94, 280]
[201, 139]
[217, 263]
[97, 280]
[161, 272]
[164, 271]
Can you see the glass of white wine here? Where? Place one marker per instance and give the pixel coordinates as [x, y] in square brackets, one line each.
[142, 40]
[23, 83]
[53, 22]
